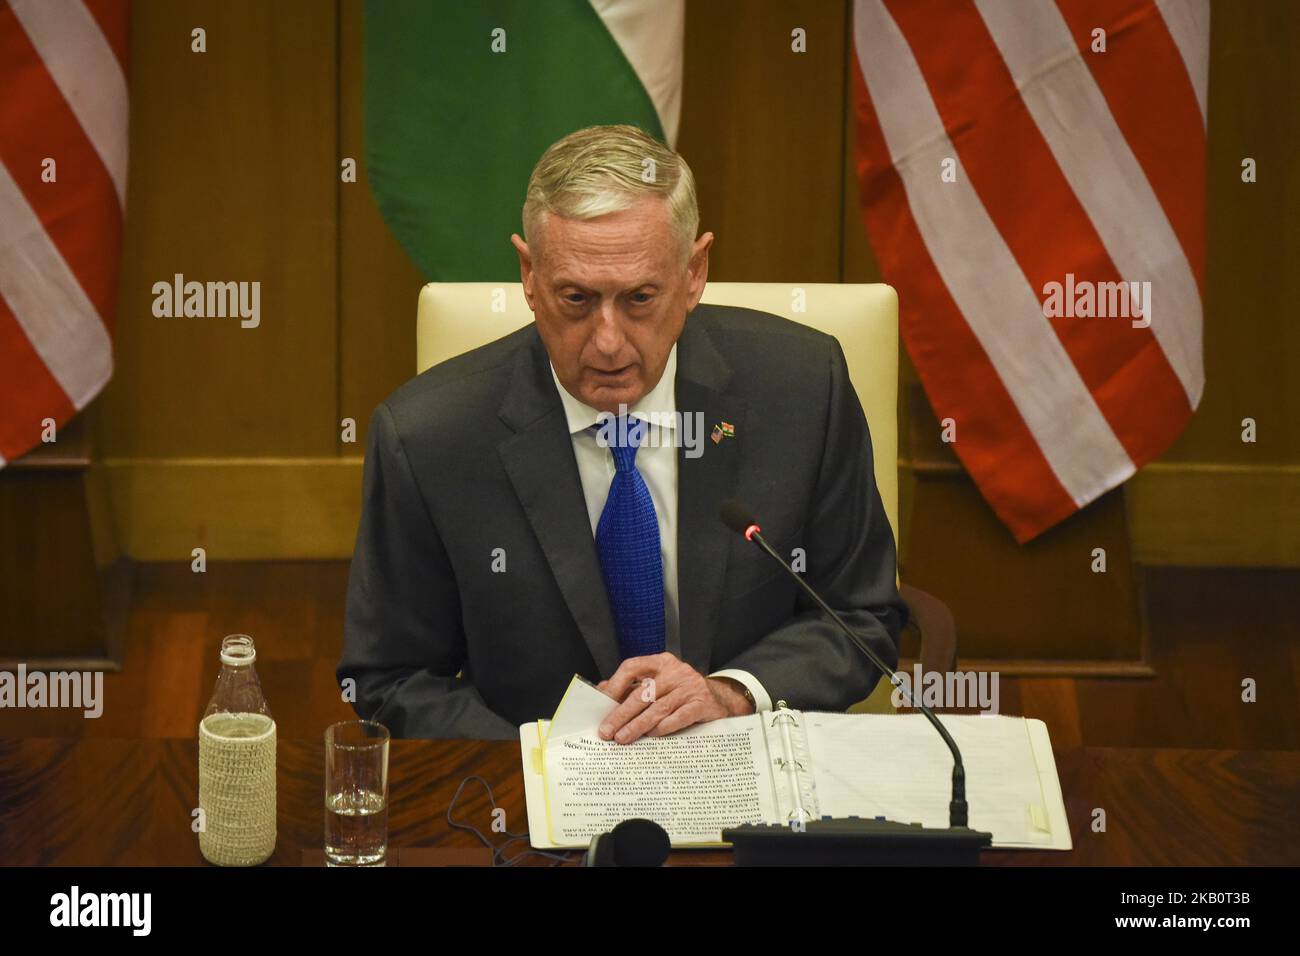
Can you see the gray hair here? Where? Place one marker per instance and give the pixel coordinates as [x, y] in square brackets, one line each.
[604, 169]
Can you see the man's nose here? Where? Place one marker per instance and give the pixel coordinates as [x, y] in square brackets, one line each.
[609, 338]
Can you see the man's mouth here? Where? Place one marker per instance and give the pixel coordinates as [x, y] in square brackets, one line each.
[613, 373]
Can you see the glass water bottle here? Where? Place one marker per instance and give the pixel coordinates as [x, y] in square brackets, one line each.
[237, 763]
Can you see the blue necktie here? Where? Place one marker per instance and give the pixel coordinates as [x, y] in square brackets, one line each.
[627, 537]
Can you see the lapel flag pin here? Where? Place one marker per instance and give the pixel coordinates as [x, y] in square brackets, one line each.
[722, 430]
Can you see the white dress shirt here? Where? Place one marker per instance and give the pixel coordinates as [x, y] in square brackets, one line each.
[656, 461]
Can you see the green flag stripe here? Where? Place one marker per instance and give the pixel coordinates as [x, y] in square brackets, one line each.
[453, 128]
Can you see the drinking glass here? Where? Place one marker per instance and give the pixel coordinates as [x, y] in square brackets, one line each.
[356, 793]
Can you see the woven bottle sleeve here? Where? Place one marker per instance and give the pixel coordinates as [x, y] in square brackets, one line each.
[237, 795]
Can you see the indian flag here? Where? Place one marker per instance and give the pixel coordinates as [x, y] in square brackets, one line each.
[462, 99]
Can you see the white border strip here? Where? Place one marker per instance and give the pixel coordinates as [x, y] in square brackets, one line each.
[48, 301]
[87, 73]
[650, 33]
[1189, 24]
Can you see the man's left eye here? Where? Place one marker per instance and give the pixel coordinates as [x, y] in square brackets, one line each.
[642, 298]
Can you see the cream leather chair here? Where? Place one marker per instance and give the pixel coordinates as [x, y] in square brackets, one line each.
[456, 317]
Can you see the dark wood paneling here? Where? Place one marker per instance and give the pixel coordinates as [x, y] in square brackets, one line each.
[50, 602]
[294, 612]
[1036, 602]
[1208, 629]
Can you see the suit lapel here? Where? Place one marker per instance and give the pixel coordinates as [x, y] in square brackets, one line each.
[538, 458]
[703, 483]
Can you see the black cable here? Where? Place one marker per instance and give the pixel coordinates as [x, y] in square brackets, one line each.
[498, 857]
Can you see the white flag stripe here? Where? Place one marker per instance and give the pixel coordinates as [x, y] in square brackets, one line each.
[981, 273]
[2, 461]
[1189, 24]
[650, 32]
[48, 301]
[1072, 114]
[87, 73]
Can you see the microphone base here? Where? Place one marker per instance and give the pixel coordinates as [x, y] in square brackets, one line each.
[856, 842]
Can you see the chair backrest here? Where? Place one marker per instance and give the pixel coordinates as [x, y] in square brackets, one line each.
[455, 317]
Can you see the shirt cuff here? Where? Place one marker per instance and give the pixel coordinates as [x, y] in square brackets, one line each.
[762, 701]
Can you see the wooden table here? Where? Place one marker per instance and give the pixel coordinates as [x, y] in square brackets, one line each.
[117, 802]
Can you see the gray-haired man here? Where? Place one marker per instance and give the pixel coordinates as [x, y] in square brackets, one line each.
[617, 567]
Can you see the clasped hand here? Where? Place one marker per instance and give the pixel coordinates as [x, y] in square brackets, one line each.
[661, 694]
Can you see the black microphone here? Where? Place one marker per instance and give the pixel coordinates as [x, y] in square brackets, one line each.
[630, 843]
[739, 519]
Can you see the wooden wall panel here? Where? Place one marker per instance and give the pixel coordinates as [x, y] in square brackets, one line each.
[378, 283]
[236, 509]
[1252, 341]
[45, 538]
[233, 172]
[762, 128]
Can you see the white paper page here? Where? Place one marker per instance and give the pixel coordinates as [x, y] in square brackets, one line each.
[1050, 781]
[898, 767]
[694, 783]
[581, 709]
[534, 787]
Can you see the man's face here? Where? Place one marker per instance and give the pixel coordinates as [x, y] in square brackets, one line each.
[610, 297]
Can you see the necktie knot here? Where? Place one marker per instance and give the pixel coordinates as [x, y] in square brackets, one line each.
[623, 436]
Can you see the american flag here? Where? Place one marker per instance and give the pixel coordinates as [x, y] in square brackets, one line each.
[1006, 145]
[63, 150]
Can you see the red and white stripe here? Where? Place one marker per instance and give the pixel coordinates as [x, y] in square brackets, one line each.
[63, 96]
[1066, 162]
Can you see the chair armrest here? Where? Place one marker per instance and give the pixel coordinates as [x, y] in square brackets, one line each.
[937, 627]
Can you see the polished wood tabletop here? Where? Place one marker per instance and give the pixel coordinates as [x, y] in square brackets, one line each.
[123, 802]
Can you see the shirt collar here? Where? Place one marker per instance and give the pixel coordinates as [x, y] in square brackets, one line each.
[657, 406]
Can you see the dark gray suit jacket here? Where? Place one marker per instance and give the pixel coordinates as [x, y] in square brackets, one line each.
[475, 455]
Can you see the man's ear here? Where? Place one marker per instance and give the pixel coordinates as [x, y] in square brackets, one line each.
[697, 270]
[525, 267]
